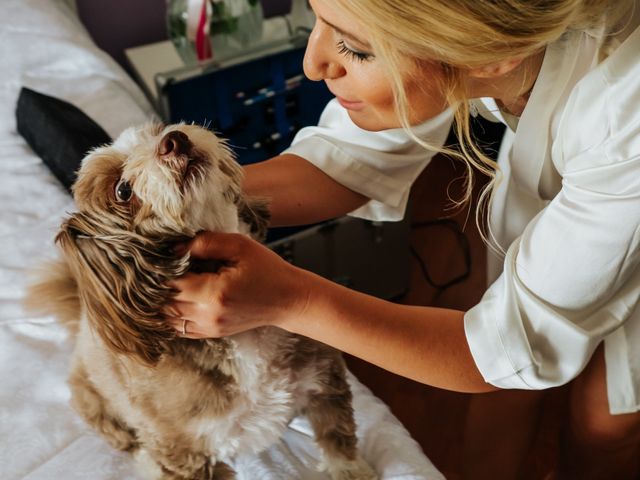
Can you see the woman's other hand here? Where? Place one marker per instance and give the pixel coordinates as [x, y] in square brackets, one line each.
[253, 287]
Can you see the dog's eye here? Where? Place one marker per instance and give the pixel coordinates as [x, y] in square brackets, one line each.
[123, 191]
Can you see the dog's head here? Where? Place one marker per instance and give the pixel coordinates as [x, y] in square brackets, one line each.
[153, 186]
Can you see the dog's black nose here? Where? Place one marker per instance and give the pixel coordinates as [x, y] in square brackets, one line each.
[174, 142]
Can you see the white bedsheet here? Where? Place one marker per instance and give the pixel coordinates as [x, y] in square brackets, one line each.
[43, 46]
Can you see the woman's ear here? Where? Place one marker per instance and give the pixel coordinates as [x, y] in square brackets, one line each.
[121, 280]
[495, 69]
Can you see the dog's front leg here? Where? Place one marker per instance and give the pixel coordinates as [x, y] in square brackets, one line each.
[331, 417]
[93, 407]
[178, 461]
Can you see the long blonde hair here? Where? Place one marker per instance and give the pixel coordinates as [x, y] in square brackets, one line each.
[464, 34]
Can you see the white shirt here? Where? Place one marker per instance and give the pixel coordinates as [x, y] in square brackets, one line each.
[567, 211]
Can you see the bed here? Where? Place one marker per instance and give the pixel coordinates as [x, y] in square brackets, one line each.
[44, 46]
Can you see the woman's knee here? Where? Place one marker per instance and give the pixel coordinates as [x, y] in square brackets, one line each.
[591, 420]
[608, 431]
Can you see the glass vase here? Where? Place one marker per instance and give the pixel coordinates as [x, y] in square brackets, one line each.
[236, 26]
[188, 23]
[205, 29]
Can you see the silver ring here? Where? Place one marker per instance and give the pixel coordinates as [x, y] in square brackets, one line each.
[184, 326]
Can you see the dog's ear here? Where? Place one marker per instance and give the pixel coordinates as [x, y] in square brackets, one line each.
[121, 278]
[254, 211]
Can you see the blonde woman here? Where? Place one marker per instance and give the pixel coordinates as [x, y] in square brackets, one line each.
[562, 302]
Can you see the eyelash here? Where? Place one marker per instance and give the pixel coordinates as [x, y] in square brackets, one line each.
[347, 52]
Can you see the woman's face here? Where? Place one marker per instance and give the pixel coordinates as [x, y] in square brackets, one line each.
[338, 52]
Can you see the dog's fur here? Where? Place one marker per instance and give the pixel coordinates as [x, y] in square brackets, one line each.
[183, 407]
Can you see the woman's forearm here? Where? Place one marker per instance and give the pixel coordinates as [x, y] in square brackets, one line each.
[300, 193]
[422, 343]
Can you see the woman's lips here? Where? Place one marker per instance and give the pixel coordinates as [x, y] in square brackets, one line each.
[349, 105]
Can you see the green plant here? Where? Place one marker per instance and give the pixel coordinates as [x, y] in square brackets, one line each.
[221, 19]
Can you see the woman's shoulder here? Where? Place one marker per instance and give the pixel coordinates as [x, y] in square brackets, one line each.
[601, 120]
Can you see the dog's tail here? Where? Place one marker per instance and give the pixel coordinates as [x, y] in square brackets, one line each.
[54, 291]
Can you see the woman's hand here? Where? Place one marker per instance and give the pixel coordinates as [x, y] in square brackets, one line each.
[254, 287]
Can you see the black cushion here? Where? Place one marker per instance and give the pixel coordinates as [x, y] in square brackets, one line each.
[58, 132]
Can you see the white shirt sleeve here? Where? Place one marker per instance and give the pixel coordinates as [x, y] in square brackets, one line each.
[380, 165]
[573, 276]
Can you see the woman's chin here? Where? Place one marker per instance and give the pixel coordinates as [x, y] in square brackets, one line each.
[372, 123]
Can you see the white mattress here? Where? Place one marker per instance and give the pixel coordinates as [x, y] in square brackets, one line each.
[43, 46]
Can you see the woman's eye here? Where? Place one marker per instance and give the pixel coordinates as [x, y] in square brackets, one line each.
[123, 191]
[354, 54]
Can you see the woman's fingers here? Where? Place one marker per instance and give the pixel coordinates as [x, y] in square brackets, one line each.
[190, 311]
[196, 304]
[186, 328]
[217, 246]
[195, 287]
[215, 304]
[171, 310]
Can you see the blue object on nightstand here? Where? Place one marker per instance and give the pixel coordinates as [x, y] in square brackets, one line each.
[258, 104]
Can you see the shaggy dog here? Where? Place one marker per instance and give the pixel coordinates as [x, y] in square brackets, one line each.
[182, 407]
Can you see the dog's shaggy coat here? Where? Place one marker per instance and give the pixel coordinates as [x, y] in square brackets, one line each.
[183, 407]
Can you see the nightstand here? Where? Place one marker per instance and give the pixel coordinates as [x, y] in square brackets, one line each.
[158, 61]
[258, 99]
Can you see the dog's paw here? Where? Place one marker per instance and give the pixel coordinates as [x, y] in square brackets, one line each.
[357, 469]
[146, 465]
[120, 437]
[188, 466]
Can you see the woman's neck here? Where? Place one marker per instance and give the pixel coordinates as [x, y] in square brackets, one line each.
[510, 90]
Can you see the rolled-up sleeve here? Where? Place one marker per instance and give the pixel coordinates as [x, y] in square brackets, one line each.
[379, 165]
[569, 280]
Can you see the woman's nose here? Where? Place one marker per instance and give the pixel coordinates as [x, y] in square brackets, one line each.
[321, 59]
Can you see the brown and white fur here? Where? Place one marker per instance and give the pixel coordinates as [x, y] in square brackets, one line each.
[184, 408]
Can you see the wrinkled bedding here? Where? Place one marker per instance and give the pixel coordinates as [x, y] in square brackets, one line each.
[44, 46]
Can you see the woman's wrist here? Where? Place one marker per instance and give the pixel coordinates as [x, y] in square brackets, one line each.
[317, 304]
[301, 286]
